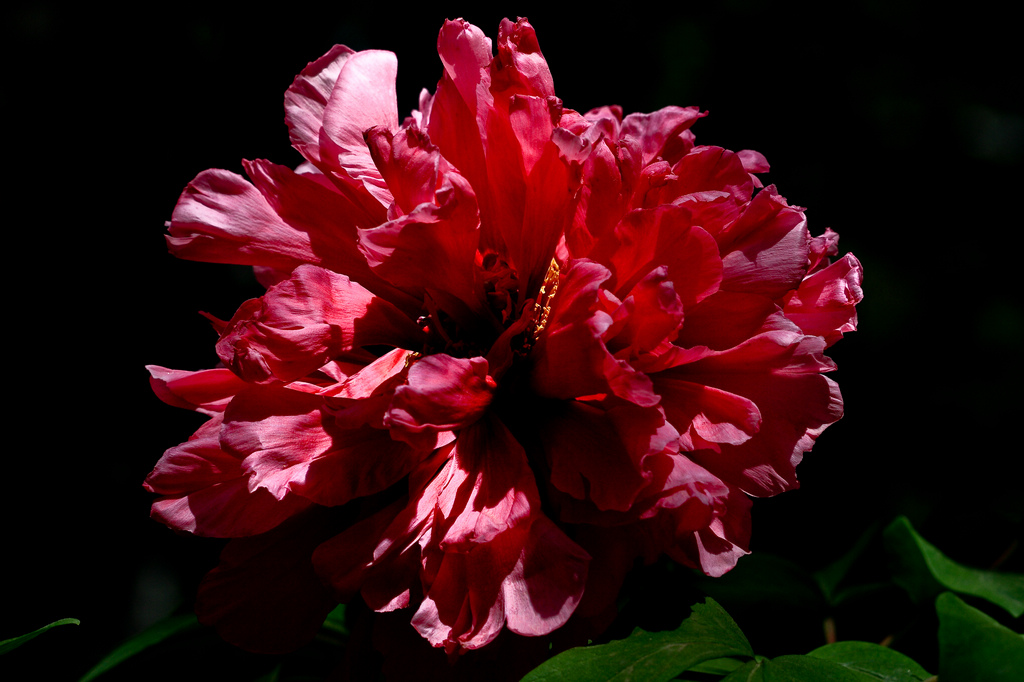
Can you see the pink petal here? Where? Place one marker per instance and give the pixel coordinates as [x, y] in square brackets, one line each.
[710, 168]
[780, 373]
[521, 60]
[490, 487]
[765, 251]
[546, 583]
[304, 322]
[290, 445]
[206, 391]
[363, 97]
[430, 250]
[825, 303]
[706, 416]
[716, 549]
[306, 99]
[442, 393]
[205, 491]
[660, 131]
[221, 218]
[570, 359]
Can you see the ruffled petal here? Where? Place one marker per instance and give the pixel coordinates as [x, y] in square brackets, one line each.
[765, 250]
[570, 359]
[204, 490]
[363, 97]
[306, 99]
[489, 488]
[825, 304]
[665, 236]
[442, 393]
[780, 373]
[291, 444]
[307, 320]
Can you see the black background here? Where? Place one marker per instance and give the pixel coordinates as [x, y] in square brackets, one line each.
[899, 125]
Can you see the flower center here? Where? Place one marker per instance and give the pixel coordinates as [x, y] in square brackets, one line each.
[542, 306]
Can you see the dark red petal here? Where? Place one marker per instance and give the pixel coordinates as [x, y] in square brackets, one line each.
[665, 236]
[344, 561]
[265, 596]
[654, 315]
[727, 319]
[590, 458]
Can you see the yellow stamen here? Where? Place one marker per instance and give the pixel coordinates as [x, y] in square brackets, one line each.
[542, 306]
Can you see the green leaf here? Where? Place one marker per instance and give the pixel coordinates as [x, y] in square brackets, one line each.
[154, 635]
[765, 581]
[798, 669]
[874, 661]
[974, 646]
[717, 666]
[708, 633]
[794, 669]
[335, 621]
[752, 671]
[830, 577]
[920, 567]
[15, 642]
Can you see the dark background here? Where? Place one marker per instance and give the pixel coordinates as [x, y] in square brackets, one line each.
[898, 125]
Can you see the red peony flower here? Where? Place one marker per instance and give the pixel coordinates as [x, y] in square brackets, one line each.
[505, 350]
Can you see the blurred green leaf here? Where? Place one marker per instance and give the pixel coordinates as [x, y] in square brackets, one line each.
[335, 621]
[142, 641]
[15, 642]
[830, 577]
[709, 633]
[766, 581]
[974, 646]
[272, 676]
[795, 669]
[874, 661]
[920, 568]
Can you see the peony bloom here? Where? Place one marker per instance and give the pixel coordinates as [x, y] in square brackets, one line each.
[506, 349]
